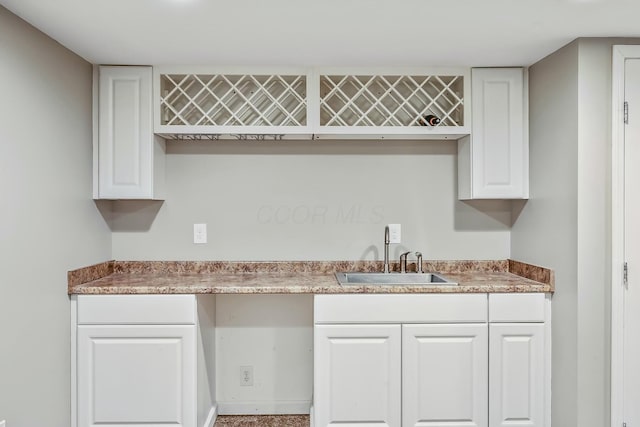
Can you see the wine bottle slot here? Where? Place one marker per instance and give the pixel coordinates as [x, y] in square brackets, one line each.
[429, 120]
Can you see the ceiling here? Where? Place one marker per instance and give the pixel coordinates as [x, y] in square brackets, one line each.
[325, 32]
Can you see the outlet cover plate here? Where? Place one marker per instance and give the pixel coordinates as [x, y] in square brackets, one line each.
[246, 376]
[199, 234]
[395, 233]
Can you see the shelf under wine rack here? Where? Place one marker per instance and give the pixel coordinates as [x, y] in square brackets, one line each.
[233, 100]
[390, 100]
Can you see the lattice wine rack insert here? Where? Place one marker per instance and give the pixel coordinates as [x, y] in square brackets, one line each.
[388, 100]
[233, 100]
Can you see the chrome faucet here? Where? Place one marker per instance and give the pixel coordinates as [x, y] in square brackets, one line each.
[403, 262]
[386, 249]
[419, 263]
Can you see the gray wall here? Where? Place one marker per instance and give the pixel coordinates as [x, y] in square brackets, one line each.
[48, 222]
[305, 200]
[593, 225]
[545, 231]
[566, 223]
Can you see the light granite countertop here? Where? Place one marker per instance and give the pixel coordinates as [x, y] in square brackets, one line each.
[296, 277]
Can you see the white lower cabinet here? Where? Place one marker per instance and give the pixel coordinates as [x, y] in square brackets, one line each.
[442, 368]
[444, 375]
[361, 381]
[400, 360]
[383, 360]
[136, 375]
[463, 360]
[141, 361]
[517, 374]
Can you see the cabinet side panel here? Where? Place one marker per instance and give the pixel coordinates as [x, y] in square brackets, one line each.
[95, 118]
[206, 362]
[464, 168]
[74, 360]
[159, 161]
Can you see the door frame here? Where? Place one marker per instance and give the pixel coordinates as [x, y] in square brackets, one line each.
[620, 54]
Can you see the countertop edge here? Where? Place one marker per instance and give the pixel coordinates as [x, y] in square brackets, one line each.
[282, 277]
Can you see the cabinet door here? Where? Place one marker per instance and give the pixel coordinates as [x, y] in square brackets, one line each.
[136, 376]
[126, 140]
[444, 375]
[516, 380]
[357, 375]
[499, 162]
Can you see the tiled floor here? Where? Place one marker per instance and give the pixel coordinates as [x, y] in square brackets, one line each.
[262, 421]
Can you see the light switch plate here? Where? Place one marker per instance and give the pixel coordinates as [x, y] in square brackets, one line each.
[199, 233]
[395, 233]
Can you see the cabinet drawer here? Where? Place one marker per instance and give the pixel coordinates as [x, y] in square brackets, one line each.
[137, 309]
[517, 307]
[404, 308]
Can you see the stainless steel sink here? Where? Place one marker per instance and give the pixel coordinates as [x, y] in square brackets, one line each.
[393, 279]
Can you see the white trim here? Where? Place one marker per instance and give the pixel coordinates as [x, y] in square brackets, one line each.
[211, 418]
[279, 407]
[230, 70]
[74, 360]
[525, 136]
[547, 361]
[95, 121]
[620, 54]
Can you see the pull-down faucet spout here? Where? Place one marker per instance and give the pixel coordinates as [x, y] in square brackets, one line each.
[386, 249]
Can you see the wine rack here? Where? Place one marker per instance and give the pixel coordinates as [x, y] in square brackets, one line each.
[219, 103]
[390, 100]
[193, 104]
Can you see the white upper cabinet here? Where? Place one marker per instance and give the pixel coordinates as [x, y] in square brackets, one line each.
[493, 162]
[129, 158]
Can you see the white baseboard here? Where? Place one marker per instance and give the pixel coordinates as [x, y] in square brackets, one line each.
[311, 417]
[211, 418]
[282, 407]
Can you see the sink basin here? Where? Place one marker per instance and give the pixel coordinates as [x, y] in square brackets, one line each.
[392, 279]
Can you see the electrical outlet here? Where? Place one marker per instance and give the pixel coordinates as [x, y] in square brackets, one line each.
[395, 233]
[246, 376]
[199, 233]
